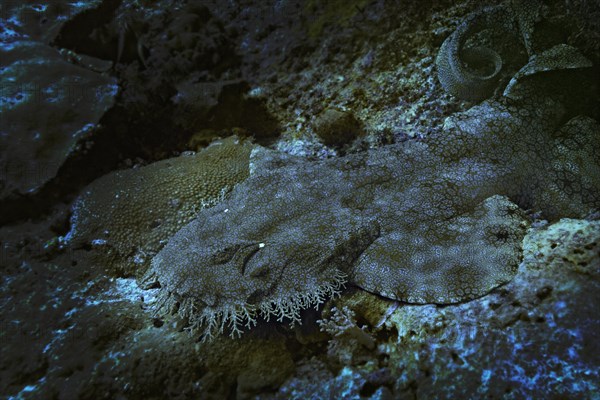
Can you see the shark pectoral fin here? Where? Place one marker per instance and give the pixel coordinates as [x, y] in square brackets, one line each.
[446, 261]
[559, 57]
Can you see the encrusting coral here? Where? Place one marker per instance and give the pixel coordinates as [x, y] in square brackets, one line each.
[127, 215]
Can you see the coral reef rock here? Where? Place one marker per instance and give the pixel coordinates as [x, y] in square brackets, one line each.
[127, 216]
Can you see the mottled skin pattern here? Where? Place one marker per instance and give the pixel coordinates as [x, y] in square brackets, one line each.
[429, 221]
[465, 71]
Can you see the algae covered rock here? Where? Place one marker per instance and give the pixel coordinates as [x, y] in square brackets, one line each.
[336, 127]
[42, 20]
[46, 106]
[128, 215]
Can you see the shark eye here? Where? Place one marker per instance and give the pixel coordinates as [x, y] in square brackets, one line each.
[261, 272]
[225, 255]
[236, 255]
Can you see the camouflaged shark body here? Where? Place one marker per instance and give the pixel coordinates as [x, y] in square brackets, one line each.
[432, 221]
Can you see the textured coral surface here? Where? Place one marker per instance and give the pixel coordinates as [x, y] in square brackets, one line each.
[129, 214]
